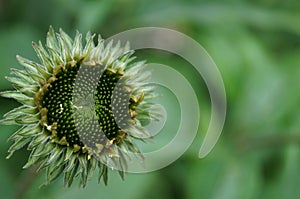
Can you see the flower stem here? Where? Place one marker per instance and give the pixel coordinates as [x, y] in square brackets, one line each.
[25, 181]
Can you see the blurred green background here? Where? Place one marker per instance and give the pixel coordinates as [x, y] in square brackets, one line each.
[255, 44]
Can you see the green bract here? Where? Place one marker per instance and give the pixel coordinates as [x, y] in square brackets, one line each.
[82, 107]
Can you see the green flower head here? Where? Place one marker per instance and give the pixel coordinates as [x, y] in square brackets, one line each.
[83, 107]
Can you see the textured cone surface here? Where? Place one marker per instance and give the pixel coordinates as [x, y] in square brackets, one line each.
[86, 117]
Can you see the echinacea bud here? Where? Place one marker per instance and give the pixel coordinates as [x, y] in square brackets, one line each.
[82, 106]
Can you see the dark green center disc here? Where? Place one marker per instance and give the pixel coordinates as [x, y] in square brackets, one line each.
[89, 104]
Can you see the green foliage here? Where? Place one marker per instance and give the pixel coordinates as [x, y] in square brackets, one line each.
[255, 44]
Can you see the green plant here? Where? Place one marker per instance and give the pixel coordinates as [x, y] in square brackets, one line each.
[82, 107]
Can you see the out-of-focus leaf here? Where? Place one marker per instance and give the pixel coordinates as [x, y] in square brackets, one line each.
[14, 40]
[213, 14]
[287, 183]
[7, 172]
[93, 14]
